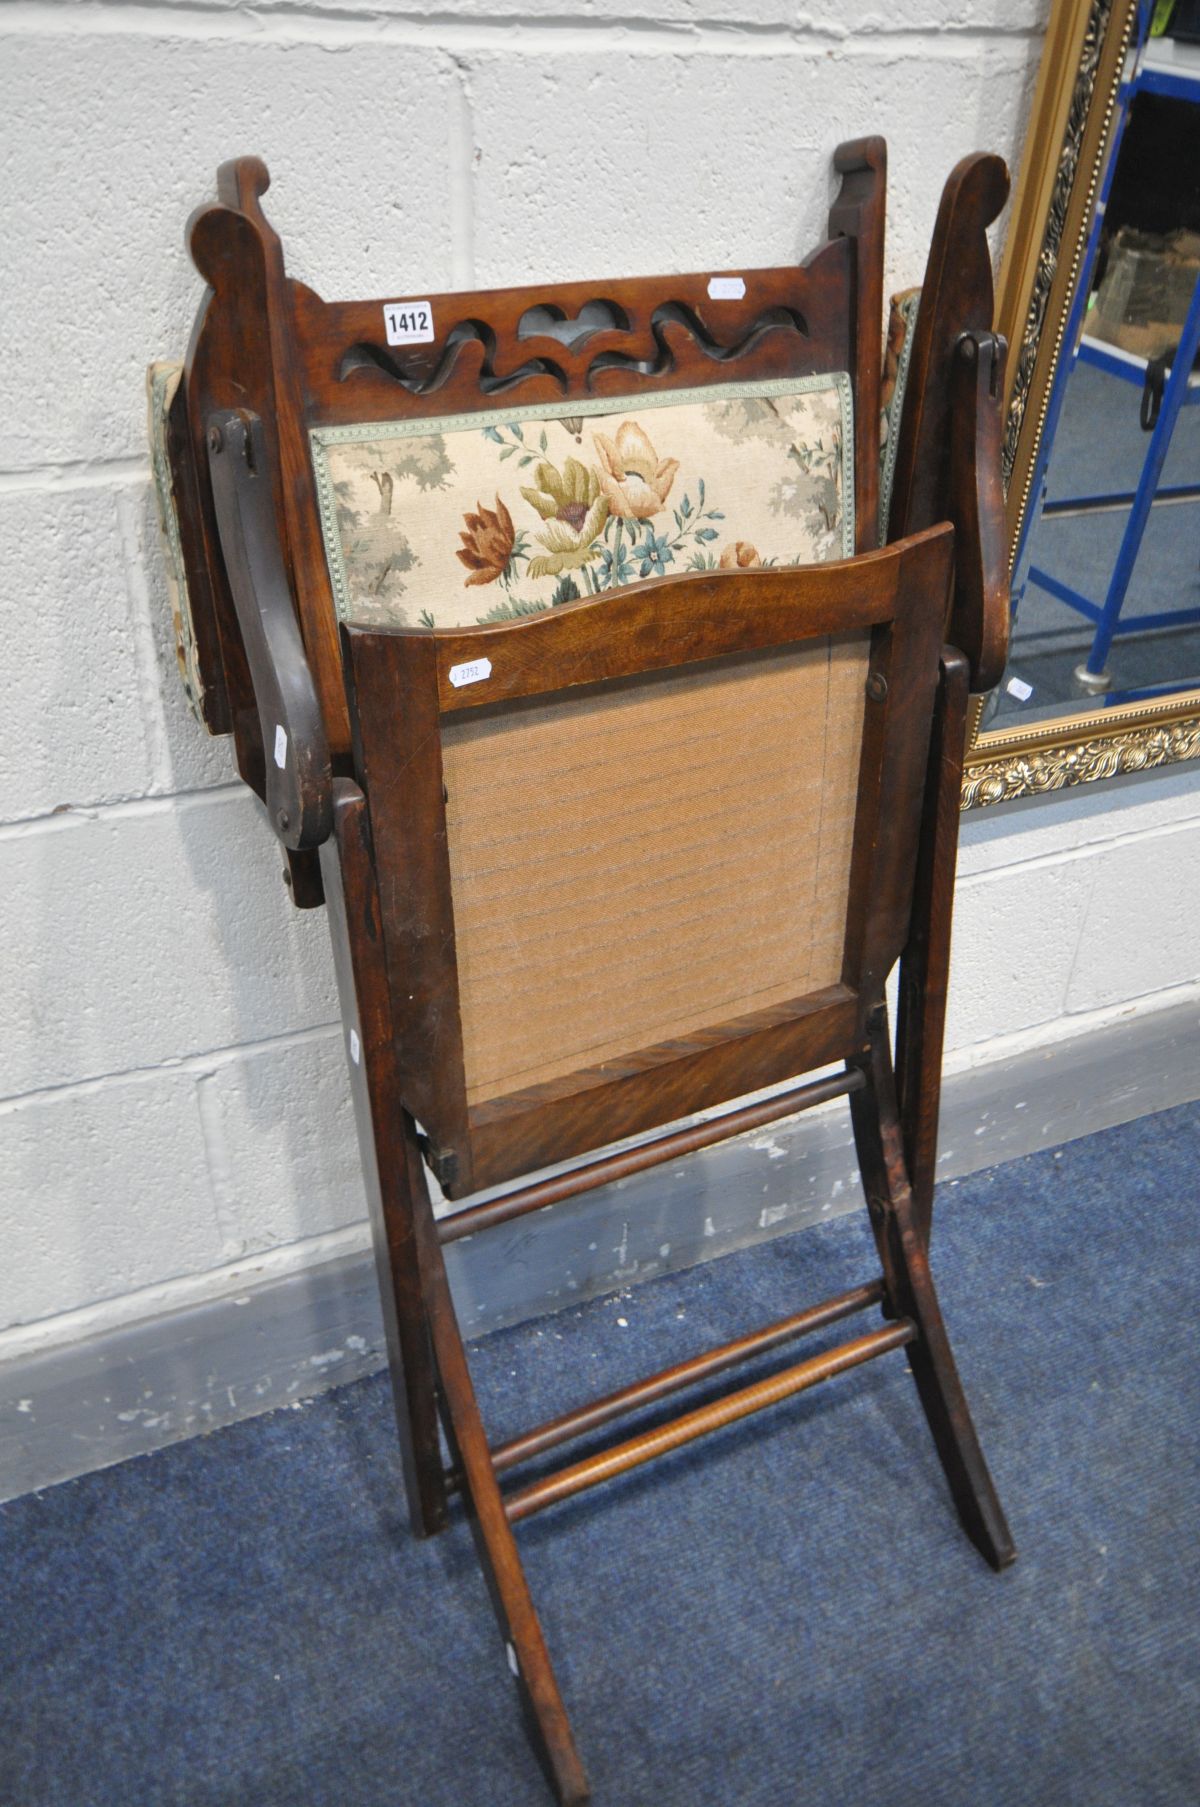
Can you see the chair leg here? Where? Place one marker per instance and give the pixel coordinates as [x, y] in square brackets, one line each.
[903, 1252]
[348, 875]
[925, 962]
[428, 1360]
[528, 1658]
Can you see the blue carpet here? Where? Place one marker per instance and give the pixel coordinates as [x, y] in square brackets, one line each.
[790, 1616]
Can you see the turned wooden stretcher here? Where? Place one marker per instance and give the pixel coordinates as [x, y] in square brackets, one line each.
[556, 632]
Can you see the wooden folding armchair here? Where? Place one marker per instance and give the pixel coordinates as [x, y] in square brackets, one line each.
[634, 849]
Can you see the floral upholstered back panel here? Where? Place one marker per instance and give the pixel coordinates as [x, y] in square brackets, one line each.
[487, 517]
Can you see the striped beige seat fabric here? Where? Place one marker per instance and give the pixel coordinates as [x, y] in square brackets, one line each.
[643, 859]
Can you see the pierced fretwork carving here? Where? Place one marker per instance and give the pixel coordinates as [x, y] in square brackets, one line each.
[677, 313]
[647, 355]
[549, 321]
[367, 356]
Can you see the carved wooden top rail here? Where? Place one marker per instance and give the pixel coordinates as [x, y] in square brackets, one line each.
[611, 339]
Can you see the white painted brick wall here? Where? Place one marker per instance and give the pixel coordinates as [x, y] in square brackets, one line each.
[106, 1189]
[172, 1101]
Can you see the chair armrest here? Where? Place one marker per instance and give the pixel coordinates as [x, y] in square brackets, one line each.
[947, 463]
[956, 297]
[979, 615]
[299, 795]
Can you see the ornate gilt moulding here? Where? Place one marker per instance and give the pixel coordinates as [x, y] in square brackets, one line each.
[1004, 766]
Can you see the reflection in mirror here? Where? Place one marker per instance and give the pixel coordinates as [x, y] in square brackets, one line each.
[1107, 579]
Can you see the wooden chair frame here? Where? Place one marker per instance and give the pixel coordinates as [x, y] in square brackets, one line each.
[269, 360]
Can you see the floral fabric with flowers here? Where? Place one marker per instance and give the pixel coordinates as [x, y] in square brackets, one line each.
[489, 517]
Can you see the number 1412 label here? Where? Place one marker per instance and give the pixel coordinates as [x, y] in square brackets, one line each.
[408, 322]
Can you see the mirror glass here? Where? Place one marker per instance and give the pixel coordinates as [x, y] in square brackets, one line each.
[1107, 578]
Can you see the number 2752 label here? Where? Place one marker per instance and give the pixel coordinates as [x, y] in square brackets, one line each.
[408, 322]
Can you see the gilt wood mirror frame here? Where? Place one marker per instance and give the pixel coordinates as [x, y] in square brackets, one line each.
[1068, 145]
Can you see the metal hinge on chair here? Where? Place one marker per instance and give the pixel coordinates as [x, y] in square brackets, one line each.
[298, 776]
